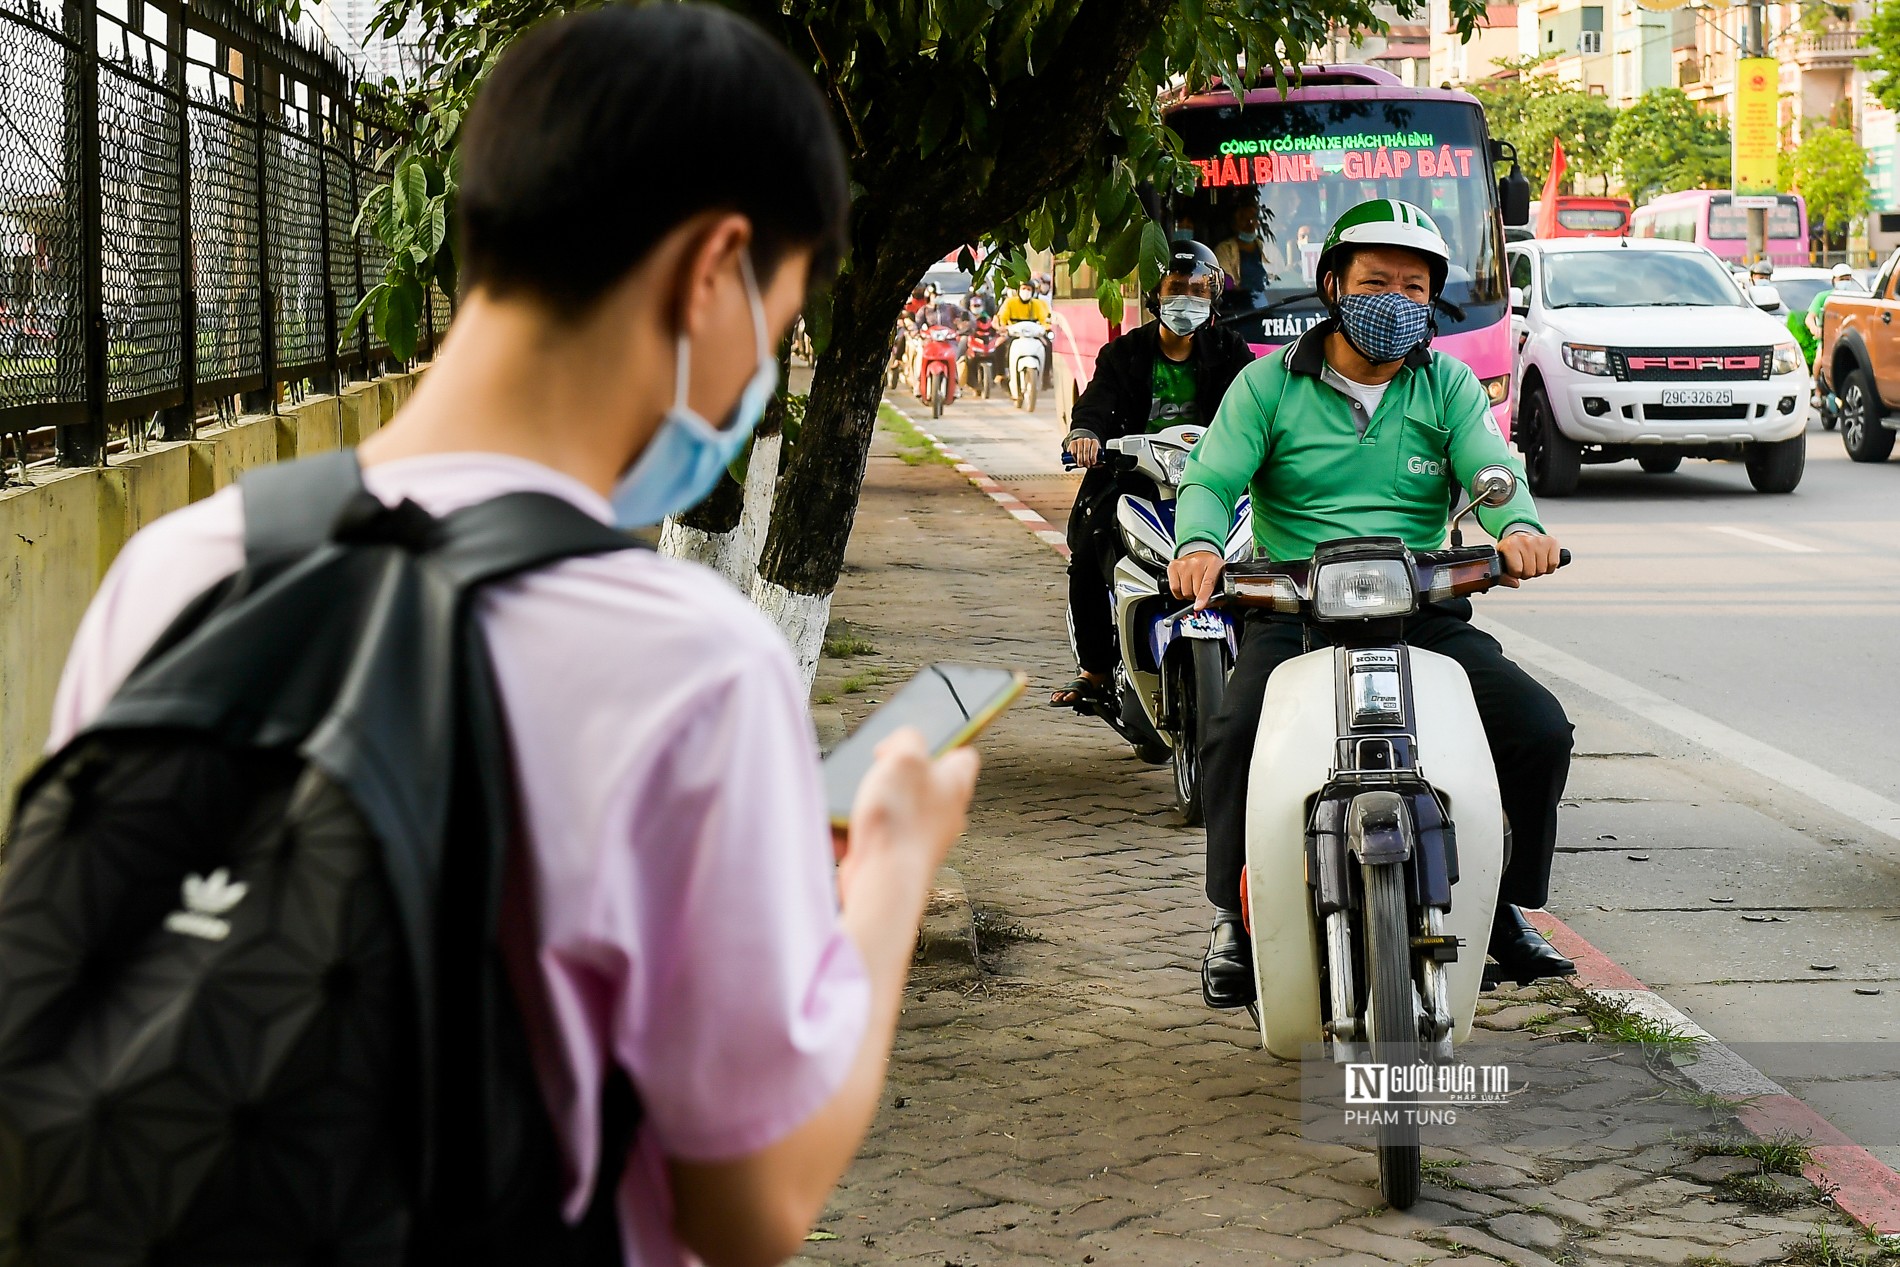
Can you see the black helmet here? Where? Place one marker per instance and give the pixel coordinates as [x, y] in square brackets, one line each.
[1192, 260]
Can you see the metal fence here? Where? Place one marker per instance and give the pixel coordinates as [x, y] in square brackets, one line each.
[178, 182]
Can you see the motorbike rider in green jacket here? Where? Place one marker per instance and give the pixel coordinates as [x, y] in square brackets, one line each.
[1359, 429]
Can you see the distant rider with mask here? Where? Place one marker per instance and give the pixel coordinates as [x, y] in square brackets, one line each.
[1354, 430]
[1170, 372]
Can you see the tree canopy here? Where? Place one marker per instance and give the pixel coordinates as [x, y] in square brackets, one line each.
[1532, 108]
[1663, 144]
[1829, 171]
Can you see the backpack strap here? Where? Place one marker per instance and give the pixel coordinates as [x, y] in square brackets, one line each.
[519, 532]
[290, 507]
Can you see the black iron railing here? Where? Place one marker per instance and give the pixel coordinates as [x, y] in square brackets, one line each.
[178, 181]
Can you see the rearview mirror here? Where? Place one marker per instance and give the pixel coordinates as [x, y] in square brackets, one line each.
[1493, 486]
[1514, 196]
[1520, 304]
[1765, 297]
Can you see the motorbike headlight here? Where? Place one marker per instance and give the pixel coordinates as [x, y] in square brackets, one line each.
[1144, 553]
[1360, 589]
[1788, 359]
[1172, 463]
[1587, 358]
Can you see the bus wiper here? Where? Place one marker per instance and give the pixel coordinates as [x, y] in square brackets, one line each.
[1449, 308]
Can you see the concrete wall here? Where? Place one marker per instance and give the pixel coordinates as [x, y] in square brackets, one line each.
[58, 537]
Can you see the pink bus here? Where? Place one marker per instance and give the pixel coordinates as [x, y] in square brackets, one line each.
[1293, 164]
[1717, 219]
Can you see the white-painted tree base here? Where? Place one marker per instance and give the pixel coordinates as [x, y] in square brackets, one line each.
[734, 555]
[802, 618]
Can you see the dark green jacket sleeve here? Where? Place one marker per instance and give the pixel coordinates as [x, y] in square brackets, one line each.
[1476, 443]
[1235, 446]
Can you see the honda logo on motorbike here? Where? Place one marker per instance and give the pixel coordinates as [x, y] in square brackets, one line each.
[1425, 466]
[1695, 364]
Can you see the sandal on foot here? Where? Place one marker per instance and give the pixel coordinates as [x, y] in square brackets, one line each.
[1081, 692]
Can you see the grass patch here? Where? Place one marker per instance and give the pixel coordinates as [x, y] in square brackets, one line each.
[1616, 1024]
[1783, 1153]
[843, 646]
[858, 683]
[826, 698]
[1761, 1192]
[1438, 1172]
[1822, 1248]
[995, 931]
[912, 446]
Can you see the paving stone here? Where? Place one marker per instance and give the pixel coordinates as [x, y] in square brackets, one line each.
[1530, 1231]
[1595, 1183]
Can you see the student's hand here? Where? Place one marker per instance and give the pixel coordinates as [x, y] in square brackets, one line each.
[1196, 576]
[1528, 554]
[1085, 450]
[909, 809]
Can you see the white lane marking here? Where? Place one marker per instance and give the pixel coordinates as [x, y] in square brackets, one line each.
[1762, 538]
[1868, 808]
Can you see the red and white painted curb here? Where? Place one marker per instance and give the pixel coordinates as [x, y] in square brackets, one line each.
[1865, 1188]
[1044, 531]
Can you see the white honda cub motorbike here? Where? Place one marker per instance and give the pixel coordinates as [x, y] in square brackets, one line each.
[1375, 836]
[1026, 354]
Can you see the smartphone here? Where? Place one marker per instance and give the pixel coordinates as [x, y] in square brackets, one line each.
[949, 703]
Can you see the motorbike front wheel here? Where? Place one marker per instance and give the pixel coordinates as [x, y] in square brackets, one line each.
[939, 388]
[1029, 391]
[1199, 685]
[1393, 1014]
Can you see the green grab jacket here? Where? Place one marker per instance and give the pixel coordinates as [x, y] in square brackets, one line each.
[1289, 438]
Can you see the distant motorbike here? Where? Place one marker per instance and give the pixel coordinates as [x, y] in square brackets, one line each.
[1367, 751]
[937, 369]
[1172, 664]
[1027, 354]
[986, 342]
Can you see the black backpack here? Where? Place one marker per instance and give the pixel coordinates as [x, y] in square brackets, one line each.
[252, 1005]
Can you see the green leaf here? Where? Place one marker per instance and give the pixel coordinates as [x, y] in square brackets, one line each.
[399, 318]
[939, 114]
[411, 190]
[1108, 296]
[1154, 254]
[1123, 252]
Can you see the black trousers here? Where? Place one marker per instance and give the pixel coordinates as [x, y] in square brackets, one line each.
[1529, 734]
[1094, 547]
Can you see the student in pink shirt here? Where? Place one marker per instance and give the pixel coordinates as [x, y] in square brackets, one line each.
[646, 194]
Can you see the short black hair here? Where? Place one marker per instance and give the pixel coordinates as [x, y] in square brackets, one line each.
[601, 131]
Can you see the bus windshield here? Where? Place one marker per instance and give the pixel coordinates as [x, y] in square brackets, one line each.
[1728, 222]
[1275, 175]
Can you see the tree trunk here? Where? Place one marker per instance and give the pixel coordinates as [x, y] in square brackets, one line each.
[818, 497]
[727, 530]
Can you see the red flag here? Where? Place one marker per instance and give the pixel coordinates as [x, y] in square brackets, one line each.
[1547, 209]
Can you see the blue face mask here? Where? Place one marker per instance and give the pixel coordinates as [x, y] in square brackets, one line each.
[682, 462]
[1248, 235]
[1384, 327]
[1181, 235]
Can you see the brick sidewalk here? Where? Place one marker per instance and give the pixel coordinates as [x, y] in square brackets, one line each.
[1071, 1101]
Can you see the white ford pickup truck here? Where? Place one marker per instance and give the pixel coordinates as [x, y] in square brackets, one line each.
[1644, 348]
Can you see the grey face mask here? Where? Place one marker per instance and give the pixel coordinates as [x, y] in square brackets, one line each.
[1184, 314]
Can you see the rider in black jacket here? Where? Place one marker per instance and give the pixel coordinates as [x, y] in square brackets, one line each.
[1171, 371]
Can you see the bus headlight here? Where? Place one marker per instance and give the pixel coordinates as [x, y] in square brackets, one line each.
[1361, 589]
[1788, 359]
[1497, 390]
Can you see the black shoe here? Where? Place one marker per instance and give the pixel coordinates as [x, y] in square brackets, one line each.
[1227, 971]
[1522, 954]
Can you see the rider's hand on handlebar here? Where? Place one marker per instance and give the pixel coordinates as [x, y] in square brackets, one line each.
[1528, 554]
[1196, 576]
[1085, 451]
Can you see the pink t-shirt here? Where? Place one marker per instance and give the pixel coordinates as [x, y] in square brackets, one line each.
[675, 820]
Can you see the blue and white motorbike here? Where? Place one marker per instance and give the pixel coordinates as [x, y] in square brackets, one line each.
[1172, 664]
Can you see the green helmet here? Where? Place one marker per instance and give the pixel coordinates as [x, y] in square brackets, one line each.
[1386, 222]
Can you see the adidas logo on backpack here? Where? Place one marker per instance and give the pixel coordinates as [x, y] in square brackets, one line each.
[207, 898]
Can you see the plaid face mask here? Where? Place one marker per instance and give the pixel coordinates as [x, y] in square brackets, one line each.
[1384, 327]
